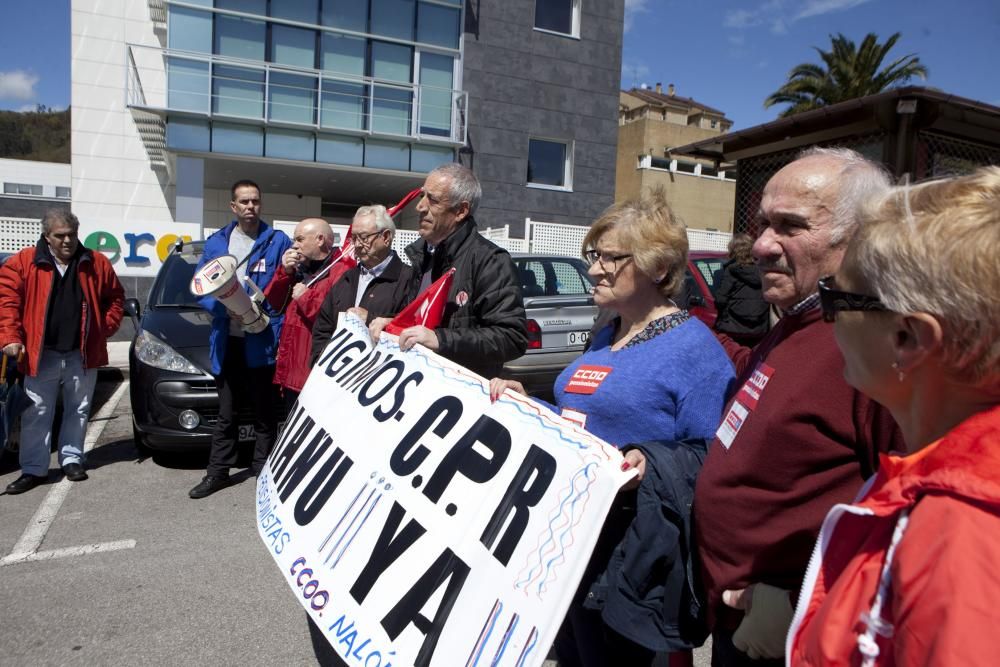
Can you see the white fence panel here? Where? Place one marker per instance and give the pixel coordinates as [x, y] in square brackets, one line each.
[700, 239]
[554, 238]
[19, 233]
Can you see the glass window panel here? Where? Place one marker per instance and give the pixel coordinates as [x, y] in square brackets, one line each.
[393, 18]
[62, 192]
[436, 72]
[189, 29]
[290, 145]
[426, 158]
[346, 14]
[187, 85]
[306, 11]
[391, 110]
[292, 98]
[293, 46]
[239, 37]
[438, 25]
[343, 54]
[344, 105]
[187, 134]
[392, 62]
[245, 6]
[237, 139]
[340, 150]
[237, 91]
[554, 15]
[546, 162]
[387, 155]
[202, 3]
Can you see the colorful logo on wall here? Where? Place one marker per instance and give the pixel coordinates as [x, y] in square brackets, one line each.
[108, 243]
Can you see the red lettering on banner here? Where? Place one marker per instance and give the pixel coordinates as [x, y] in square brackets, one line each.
[754, 386]
[587, 379]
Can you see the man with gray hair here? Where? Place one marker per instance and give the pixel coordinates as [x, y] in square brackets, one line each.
[796, 438]
[379, 286]
[484, 324]
[59, 303]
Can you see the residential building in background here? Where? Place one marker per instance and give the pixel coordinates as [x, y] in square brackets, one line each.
[652, 122]
[29, 188]
[332, 104]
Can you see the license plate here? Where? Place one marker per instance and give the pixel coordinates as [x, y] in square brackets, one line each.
[247, 433]
[577, 337]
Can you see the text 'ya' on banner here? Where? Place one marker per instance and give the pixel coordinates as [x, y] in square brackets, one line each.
[420, 524]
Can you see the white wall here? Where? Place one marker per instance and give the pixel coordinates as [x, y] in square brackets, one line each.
[115, 190]
[46, 174]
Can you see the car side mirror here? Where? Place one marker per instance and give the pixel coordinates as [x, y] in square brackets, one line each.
[696, 300]
[133, 310]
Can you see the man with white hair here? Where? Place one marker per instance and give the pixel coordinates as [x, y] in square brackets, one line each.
[379, 286]
[796, 438]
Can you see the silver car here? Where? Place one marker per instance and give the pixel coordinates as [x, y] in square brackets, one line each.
[559, 302]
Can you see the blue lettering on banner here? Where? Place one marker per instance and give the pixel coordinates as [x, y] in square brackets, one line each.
[270, 522]
[347, 636]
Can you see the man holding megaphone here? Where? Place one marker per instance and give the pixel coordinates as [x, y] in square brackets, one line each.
[245, 330]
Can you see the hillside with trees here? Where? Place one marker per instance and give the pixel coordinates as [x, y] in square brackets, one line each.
[41, 135]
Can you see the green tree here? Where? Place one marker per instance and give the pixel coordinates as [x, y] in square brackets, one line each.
[847, 72]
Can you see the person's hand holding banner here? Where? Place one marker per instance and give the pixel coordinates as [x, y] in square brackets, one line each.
[418, 522]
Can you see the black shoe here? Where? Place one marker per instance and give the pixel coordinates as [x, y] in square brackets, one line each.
[209, 485]
[74, 472]
[24, 483]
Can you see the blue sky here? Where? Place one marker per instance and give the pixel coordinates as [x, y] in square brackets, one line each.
[729, 54]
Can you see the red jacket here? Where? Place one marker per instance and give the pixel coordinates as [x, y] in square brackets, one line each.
[292, 365]
[25, 285]
[944, 587]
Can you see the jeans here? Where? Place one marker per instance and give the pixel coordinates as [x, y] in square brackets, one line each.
[57, 371]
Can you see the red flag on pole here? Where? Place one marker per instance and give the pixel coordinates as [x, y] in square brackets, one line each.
[427, 309]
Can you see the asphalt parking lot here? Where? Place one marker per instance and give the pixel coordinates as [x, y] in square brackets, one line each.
[125, 569]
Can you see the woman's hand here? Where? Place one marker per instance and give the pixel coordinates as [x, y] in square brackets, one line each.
[498, 385]
[637, 460]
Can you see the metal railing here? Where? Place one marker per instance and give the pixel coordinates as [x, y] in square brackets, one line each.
[162, 80]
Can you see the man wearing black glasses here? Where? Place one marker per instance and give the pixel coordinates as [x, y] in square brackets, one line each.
[379, 286]
[795, 438]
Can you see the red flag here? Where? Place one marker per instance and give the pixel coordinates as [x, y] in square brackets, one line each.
[427, 309]
[410, 196]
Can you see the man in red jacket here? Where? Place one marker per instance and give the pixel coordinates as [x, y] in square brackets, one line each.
[795, 438]
[59, 303]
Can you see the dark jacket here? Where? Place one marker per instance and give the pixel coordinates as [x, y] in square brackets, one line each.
[648, 592]
[265, 256]
[386, 295]
[484, 324]
[742, 309]
[25, 288]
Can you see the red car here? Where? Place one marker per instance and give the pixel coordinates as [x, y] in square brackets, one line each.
[703, 269]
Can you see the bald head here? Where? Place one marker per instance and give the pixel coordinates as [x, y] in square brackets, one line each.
[313, 238]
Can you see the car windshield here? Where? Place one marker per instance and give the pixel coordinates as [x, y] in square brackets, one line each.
[172, 288]
[709, 268]
[553, 276]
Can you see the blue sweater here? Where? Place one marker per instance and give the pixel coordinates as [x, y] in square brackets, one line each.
[670, 387]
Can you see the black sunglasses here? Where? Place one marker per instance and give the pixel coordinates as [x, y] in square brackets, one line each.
[833, 300]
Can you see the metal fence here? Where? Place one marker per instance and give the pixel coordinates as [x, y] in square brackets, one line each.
[937, 155]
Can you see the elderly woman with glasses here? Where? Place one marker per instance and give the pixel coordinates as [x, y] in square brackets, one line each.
[907, 574]
[653, 374]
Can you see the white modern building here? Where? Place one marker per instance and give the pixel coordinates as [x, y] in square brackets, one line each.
[332, 104]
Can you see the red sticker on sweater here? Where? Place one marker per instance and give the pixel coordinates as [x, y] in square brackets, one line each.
[754, 386]
[587, 379]
[744, 403]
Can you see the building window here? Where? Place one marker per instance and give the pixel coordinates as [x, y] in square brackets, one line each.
[393, 18]
[346, 14]
[550, 164]
[22, 189]
[715, 124]
[562, 16]
[62, 192]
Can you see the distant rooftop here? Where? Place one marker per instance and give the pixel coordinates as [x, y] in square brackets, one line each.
[659, 98]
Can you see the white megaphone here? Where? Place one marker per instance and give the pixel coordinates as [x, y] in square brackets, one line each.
[218, 279]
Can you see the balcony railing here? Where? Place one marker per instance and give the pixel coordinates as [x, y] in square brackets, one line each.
[165, 81]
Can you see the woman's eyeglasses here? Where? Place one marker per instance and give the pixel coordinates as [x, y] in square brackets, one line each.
[833, 300]
[607, 261]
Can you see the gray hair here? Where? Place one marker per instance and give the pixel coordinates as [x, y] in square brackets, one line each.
[464, 185]
[381, 216]
[59, 216]
[860, 180]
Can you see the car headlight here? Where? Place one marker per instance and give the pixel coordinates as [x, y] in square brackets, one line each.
[152, 351]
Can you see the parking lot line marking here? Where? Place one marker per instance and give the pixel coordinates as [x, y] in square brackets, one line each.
[33, 535]
[65, 552]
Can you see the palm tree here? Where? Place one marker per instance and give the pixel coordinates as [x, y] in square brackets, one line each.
[849, 72]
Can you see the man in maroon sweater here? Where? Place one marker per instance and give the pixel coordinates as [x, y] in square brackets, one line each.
[795, 438]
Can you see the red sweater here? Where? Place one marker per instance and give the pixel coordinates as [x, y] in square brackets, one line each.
[804, 442]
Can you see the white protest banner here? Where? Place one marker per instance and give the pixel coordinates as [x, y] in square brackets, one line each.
[420, 524]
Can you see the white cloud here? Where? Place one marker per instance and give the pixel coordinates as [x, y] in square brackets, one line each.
[820, 7]
[779, 15]
[633, 7]
[17, 85]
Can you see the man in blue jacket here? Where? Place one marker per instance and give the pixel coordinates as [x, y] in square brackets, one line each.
[243, 362]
